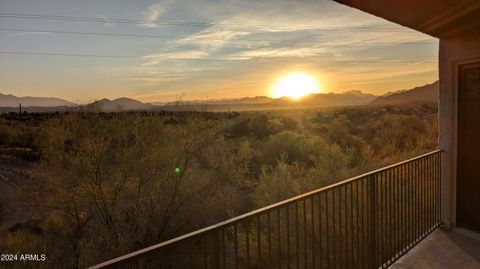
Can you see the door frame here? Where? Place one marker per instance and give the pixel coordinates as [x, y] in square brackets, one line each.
[458, 67]
[447, 133]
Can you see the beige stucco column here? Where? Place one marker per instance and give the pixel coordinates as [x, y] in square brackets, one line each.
[453, 52]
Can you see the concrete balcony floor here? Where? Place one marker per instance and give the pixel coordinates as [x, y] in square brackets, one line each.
[443, 249]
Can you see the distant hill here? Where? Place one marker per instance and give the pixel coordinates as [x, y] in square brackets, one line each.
[106, 105]
[41, 109]
[8, 100]
[244, 100]
[426, 93]
[350, 98]
[120, 104]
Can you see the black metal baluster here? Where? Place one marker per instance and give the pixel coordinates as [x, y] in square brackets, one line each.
[259, 244]
[403, 205]
[352, 256]
[335, 237]
[312, 216]
[269, 238]
[345, 231]
[364, 223]
[327, 219]
[424, 202]
[205, 252]
[297, 235]
[357, 223]
[288, 238]
[431, 191]
[382, 203]
[417, 199]
[320, 230]
[439, 179]
[235, 244]
[305, 232]
[411, 204]
[223, 251]
[391, 217]
[398, 212]
[279, 248]
[372, 184]
[247, 240]
[340, 229]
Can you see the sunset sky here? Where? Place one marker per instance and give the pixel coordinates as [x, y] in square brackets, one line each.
[158, 51]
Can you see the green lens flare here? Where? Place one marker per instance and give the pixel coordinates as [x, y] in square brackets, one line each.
[178, 170]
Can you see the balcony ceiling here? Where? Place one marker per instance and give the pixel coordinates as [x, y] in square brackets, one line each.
[438, 18]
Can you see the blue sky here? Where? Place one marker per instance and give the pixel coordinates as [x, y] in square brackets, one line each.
[203, 49]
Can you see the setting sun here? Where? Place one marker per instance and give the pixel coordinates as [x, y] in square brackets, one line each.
[295, 85]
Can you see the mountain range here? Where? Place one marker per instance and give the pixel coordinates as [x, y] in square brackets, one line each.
[119, 104]
[8, 100]
[426, 93]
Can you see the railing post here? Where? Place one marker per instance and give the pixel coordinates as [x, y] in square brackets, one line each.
[372, 194]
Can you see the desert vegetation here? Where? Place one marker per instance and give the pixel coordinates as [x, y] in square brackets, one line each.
[97, 185]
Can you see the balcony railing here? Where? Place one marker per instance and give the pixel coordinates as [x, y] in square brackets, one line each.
[367, 221]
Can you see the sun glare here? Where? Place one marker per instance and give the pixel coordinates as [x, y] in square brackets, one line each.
[295, 85]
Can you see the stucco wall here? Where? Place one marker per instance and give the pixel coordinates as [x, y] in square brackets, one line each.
[453, 52]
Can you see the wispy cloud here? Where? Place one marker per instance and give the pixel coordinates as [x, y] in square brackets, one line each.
[283, 33]
[212, 37]
[153, 13]
[277, 53]
[31, 33]
[237, 41]
[153, 59]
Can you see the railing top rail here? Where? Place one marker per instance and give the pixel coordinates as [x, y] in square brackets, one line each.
[251, 214]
